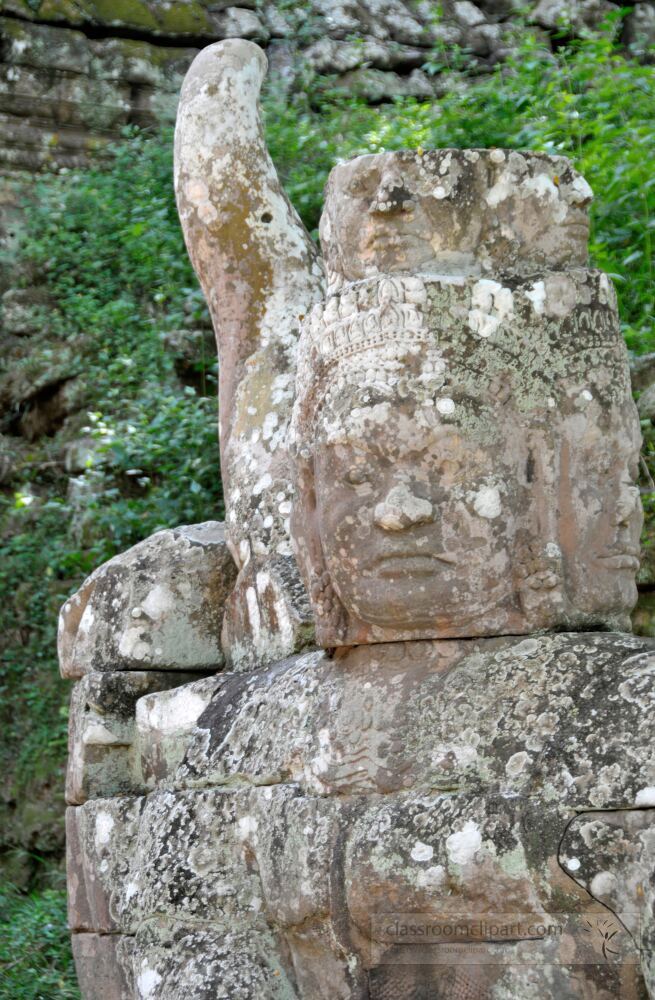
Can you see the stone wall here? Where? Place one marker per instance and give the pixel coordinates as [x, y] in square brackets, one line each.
[73, 74]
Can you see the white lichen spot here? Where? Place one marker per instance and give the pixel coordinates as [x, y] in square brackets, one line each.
[86, 621]
[517, 763]
[158, 602]
[528, 647]
[580, 191]
[502, 189]
[445, 405]
[97, 734]
[421, 851]
[262, 484]
[253, 611]
[147, 982]
[132, 645]
[247, 826]
[463, 846]
[170, 711]
[491, 305]
[104, 826]
[402, 508]
[270, 423]
[573, 864]
[537, 296]
[431, 878]
[645, 796]
[603, 884]
[542, 186]
[497, 156]
[486, 502]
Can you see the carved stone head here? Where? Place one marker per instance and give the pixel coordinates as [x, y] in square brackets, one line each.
[451, 211]
[465, 445]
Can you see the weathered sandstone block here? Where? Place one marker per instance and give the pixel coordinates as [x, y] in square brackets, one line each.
[164, 720]
[101, 843]
[177, 961]
[158, 606]
[103, 963]
[103, 758]
[569, 717]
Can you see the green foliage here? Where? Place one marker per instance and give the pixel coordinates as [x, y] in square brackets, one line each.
[35, 957]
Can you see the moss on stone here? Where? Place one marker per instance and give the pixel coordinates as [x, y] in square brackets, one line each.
[61, 10]
[156, 55]
[185, 19]
[132, 13]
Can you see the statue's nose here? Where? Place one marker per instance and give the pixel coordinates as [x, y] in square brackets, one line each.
[627, 503]
[401, 509]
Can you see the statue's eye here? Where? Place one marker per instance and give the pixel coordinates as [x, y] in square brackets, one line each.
[358, 475]
[362, 186]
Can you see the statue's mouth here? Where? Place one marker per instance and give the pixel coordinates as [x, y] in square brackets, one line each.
[407, 564]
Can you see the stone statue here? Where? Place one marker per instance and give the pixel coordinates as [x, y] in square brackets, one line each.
[451, 796]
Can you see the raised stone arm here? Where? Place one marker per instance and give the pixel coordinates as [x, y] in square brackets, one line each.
[261, 274]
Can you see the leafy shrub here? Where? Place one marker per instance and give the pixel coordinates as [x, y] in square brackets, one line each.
[35, 958]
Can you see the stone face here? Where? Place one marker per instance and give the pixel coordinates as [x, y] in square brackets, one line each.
[466, 463]
[157, 606]
[454, 211]
[261, 274]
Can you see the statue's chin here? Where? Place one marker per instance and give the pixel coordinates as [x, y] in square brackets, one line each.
[405, 610]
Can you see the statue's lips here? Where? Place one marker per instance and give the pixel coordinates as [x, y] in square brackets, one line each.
[408, 564]
[381, 239]
[620, 560]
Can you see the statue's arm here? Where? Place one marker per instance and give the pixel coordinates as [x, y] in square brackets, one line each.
[257, 265]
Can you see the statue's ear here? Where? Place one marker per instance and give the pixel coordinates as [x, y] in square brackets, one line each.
[329, 613]
[305, 535]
